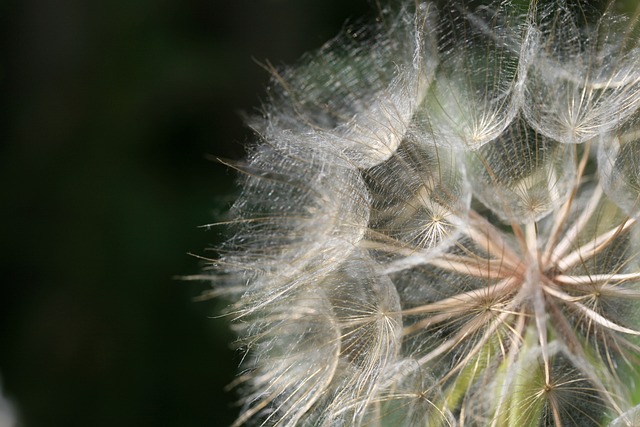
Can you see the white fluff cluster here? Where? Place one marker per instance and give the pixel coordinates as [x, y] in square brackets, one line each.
[437, 226]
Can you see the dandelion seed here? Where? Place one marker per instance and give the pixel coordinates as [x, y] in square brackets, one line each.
[425, 237]
[586, 76]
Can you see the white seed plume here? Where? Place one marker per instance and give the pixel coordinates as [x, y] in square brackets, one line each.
[437, 226]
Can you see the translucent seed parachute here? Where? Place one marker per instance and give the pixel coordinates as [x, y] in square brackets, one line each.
[438, 223]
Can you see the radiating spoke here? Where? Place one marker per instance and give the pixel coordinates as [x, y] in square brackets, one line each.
[592, 248]
[572, 234]
[591, 314]
[593, 279]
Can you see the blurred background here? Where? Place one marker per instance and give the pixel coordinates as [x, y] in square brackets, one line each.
[109, 111]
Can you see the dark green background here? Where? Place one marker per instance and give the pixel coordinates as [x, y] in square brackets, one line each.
[109, 109]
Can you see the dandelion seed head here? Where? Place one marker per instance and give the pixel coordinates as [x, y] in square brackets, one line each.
[438, 224]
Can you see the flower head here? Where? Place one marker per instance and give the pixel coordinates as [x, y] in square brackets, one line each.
[438, 225]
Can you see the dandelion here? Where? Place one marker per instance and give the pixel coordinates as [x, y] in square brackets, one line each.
[437, 226]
